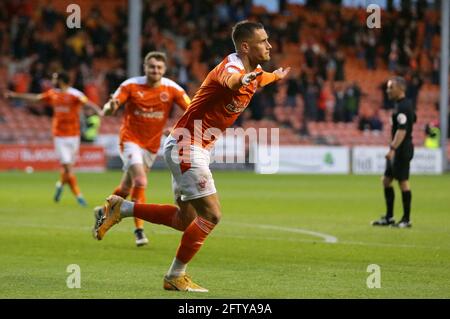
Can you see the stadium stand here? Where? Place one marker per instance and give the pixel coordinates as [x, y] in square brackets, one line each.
[331, 46]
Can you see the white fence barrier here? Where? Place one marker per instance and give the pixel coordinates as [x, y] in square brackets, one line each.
[371, 160]
[271, 159]
[305, 160]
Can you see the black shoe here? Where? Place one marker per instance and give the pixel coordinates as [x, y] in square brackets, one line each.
[141, 239]
[384, 221]
[402, 224]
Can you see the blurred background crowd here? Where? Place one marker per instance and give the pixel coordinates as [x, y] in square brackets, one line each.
[334, 95]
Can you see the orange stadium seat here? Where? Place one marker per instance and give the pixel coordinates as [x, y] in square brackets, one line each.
[38, 128]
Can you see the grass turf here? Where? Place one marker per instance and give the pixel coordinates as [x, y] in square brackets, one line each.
[259, 250]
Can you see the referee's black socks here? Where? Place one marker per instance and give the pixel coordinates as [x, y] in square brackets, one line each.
[389, 196]
[406, 198]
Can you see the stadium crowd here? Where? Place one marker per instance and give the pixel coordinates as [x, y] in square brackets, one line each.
[34, 42]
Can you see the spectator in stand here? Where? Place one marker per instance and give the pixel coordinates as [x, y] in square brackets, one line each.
[393, 57]
[352, 98]
[114, 77]
[339, 57]
[2, 33]
[370, 121]
[339, 102]
[100, 34]
[90, 126]
[413, 85]
[38, 73]
[310, 52]
[436, 62]
[177, 24]
[292, 91]
[322, 63]
[20, 83]
[268, 100]
[371, 50]
[49, 15]
[256, 107]
[323, 103]
[433, 135]
[330, 67]
[310, 90]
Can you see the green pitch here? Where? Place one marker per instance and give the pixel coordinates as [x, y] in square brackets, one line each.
[271, 242]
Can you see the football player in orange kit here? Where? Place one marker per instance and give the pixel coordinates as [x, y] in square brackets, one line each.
[66, 102]
[148, 101]
[222, 97]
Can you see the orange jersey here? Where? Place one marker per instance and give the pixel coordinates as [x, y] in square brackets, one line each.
[66, 110]
[216, 105]
[147, 109]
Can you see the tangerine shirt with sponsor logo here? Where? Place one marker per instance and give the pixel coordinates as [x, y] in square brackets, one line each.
[66, 110]
[215, 106]
[147, 109]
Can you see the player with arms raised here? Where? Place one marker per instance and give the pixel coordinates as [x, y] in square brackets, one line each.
[222, 97]
[148, 101]
[66, 102]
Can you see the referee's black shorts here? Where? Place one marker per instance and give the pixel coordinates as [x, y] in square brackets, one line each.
[398, 168]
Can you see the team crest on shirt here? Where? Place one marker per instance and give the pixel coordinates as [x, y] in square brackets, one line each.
[235, 107]
[61, 109]
[202, 183]
[164, 96]
[401, 118]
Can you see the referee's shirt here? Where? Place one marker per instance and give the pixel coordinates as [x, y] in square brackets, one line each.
[403, 117]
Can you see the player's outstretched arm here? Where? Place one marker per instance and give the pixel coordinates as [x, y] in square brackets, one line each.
[111, 106]
[94, 106]
[237, 80]
[276, 75]
[281, 73]
[23, 96]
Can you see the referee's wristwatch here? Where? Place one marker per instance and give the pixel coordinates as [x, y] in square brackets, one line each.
[392, 148]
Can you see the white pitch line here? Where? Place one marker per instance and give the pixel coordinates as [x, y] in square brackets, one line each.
[288, 229]
[327, 238]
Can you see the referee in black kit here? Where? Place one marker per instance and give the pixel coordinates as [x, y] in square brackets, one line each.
[401, 152]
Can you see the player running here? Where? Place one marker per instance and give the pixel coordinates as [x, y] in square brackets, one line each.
[148, 101]
[66, 102]
[223, 96]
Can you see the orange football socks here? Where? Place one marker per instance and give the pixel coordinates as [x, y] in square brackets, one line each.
[72, 180]
[119, 192]
[67, 178]
[138, 196]
[64, 177]
[159, 214]
[193, 238]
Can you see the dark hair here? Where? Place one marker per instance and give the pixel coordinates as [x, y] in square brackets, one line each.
[400, 81]
[244, 30]
[159, 56]
[63, 76]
